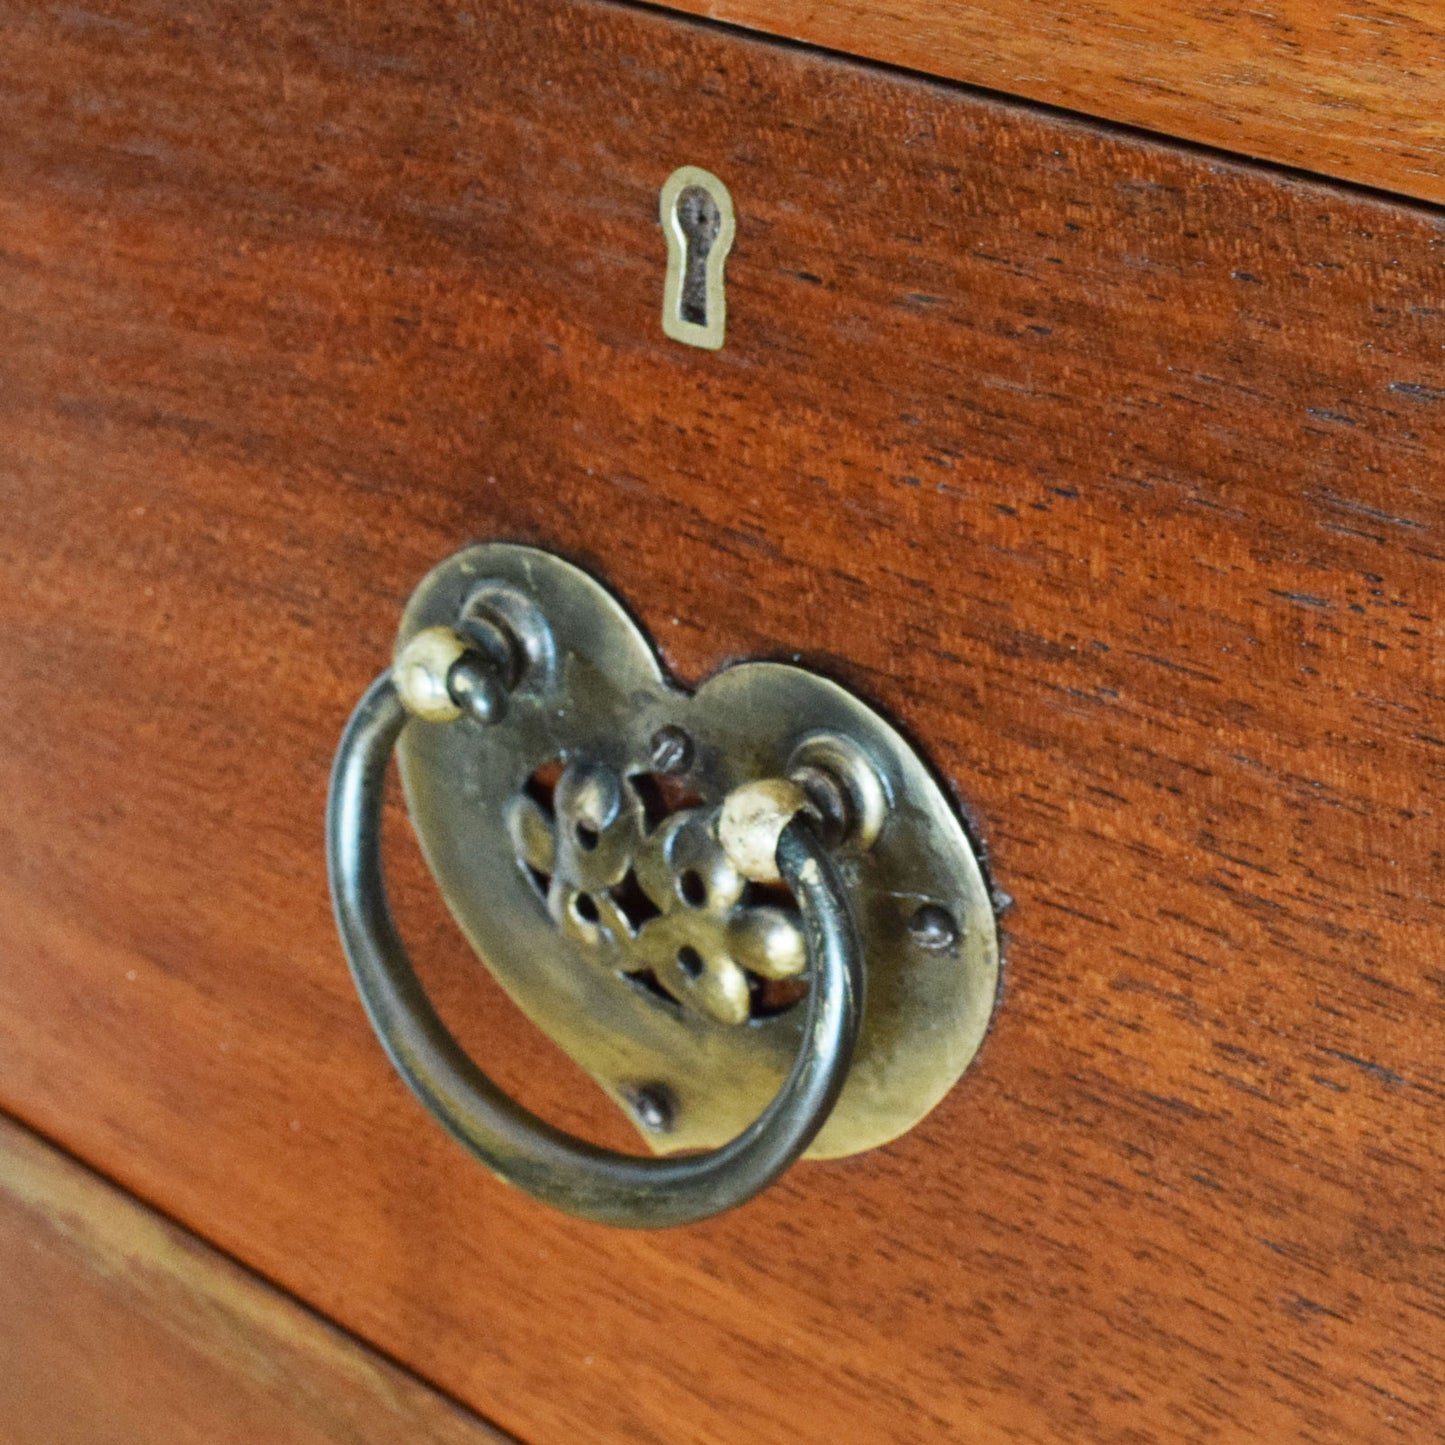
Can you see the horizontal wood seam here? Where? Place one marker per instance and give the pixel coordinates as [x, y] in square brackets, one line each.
[273, 1286]
[1104, 126]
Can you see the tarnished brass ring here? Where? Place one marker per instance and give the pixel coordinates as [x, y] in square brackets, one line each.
[552, 1166]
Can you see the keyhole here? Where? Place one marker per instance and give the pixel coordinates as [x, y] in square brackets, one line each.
[700, 221]
[697, 219]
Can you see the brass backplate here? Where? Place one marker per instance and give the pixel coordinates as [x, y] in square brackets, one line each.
[574, 841]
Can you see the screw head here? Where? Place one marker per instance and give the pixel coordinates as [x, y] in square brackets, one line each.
[671, 750]
[933, 928]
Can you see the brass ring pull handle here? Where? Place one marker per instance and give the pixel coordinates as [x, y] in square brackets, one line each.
[554, 1167]
[684, 890]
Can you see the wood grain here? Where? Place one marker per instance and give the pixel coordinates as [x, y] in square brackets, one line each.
[117, 1326]
[1111, 471]
[1350, 91]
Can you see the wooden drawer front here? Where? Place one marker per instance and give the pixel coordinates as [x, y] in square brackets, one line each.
[1110, 470]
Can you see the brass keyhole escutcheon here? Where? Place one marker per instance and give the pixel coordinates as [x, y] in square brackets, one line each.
[696, 212]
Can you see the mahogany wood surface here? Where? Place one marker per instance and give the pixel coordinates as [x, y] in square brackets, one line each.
[1349, 90]
[118, 1327]
[1110, 470]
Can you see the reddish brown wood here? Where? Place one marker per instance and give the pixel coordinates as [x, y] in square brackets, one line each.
[1351, 91]
[117, 1326]
[1111, 471]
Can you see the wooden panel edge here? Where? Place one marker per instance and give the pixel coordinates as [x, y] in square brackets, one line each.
[1352, 97]
[118, 1323]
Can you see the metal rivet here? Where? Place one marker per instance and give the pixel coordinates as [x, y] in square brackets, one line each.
[654, 1107]
[476, 684]
[671, 750]
[933, 928]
